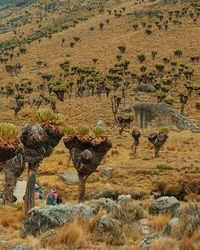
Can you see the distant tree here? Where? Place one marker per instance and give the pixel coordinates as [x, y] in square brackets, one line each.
[178, 53]
[136, 136]
[183, 100]
[158, 139]
[122, 48]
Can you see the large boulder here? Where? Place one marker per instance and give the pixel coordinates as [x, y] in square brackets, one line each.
[48, 217]
[41, 219]
[105, 224]
[164, 204]
[124, 199]
[158, 114]
[108, 205]
[109, 230]
[69, 177]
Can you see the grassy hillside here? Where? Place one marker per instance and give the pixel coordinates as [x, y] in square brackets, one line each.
[89, 46]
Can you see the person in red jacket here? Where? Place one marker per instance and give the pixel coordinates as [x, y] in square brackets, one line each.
[53, 198]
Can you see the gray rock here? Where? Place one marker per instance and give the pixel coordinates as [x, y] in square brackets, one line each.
[164, 204]
[48, 233]
[168, 229]
[104, 224]
[124, 199]
[48, 217]
[138, 195]
[107, 171]
[3, 242]
[23, 246]
[106, 193]
[108, 205]
[160, 115]
[70, 177]
[146, 241]
[145, 229]
[100, 123]
[144, 88]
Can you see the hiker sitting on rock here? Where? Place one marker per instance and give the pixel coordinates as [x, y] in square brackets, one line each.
[53, 198]
[38, 193]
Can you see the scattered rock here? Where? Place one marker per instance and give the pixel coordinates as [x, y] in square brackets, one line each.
[144, 88]
[109, 230]
[23, 246]
[168, 229]
[106, 193]
[164, 204]
[48, 233]
[109, 205]
[49, 217]
[124, 199]
[100, 123]
[70, 177]
[107, 171]
[138, 195]
[104, 224]
[145, 229]
[146, 241]
[3, 242]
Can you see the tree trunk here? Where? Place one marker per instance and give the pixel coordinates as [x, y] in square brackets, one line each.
[29, 195]
[2, 165]
[157, 149]
[10, 180]
[13, 169]
[122, 129]
[182, 108]
[81, 188]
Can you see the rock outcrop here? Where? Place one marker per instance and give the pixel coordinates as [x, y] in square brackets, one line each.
[164, 204]
[41, 219]
[156, 114]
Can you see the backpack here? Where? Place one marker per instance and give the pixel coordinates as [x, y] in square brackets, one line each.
[51, 200]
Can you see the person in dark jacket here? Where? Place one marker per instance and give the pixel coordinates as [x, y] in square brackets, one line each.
[53, 198]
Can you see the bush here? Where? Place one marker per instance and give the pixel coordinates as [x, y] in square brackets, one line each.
[189, 221]
[122, 48]
[141, 58]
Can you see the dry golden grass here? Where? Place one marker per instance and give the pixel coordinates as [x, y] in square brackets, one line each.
[158, 223]
[71, 236]
[164, 243]
[137, 173]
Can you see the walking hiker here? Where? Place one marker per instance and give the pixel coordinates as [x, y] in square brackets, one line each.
[53, 198]
[38, 193]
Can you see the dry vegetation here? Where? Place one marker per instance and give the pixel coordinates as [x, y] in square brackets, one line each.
[176, 172]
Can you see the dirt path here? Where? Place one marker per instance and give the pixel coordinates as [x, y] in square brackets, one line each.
[20, 189]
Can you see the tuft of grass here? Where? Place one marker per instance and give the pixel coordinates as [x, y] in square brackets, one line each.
[83, 130]
[69, 130]
[159, 222]
[8, 131]
[48, 116]
[70, 236]
[98, 131]
[164, 130]
[164, 243]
